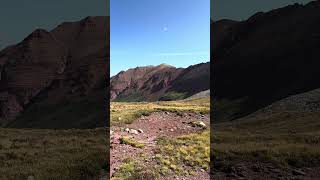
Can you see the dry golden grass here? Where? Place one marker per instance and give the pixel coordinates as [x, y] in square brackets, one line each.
[54, 154]
[126, 112]
[183, 155]
[286, 139]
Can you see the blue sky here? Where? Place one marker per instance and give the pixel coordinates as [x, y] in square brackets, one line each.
[151, 32]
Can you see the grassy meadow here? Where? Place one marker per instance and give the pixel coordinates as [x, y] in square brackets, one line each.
[181, 156]
[127, 112]
[284, 139]
[53, 154]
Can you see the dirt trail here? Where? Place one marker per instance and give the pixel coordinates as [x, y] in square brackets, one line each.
[158, 124]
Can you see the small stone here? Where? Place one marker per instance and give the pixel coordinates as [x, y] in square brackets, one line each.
[171, 130]
[133, 131]
[199, 124]
[119, 118]
[202, 124]
[127, 130]
[140, 130]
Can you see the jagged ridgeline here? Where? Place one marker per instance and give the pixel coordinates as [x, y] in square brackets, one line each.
[58, 78]
[162, 82]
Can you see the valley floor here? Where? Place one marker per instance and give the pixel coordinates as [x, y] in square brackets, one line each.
[166, 140]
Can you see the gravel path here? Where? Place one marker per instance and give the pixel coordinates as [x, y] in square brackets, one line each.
[158, 124]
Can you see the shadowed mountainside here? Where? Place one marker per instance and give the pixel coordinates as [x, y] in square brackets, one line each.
[266, 58]
[50, 78]
[161, 82]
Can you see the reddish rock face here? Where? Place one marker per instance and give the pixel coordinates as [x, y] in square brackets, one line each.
[152, 82]
[69, 61]
[149, 80]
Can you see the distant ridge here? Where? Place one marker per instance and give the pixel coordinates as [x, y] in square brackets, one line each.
[162, 82]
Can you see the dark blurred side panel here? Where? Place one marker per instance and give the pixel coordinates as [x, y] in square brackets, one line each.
[265, 91]
[54, 95]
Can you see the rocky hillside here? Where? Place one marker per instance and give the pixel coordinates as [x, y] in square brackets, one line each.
[304, 102]
[202, 94]
[50, 75]
[161, 82]
[266, 58]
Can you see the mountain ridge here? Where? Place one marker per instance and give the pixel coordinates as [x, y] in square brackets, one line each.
[154, 82]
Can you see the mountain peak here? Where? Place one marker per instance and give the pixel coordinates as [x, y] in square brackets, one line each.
[165, 65]
[39, 33]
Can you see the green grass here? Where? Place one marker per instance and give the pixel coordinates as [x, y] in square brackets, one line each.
[172, 96]
[132, 97]
[58, 154]
[130, 141]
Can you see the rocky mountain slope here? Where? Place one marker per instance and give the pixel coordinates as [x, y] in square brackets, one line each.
[307, 102]
[161, 82]
[266, 58]
[201, 94]
[50, 75]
